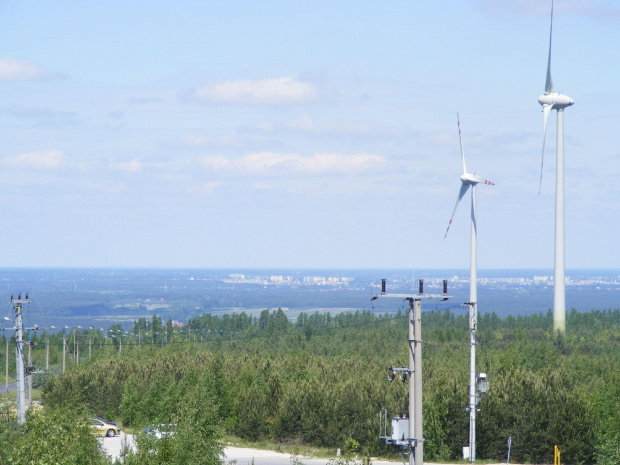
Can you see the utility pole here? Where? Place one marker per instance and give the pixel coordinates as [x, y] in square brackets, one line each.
[29, 368]
[19, 357]
[64, 347]
[47, 349]
[6, 376]
[414, 443]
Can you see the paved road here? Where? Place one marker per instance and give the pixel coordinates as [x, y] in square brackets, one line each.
[12, 387]
[244, 456]
[238, 455]
[241, 456]
[114, 445]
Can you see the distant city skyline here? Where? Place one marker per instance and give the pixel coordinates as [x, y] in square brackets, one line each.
[302, 135]
[103, 297]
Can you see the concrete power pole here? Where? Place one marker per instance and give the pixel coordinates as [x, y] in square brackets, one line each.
[29, 377]
[415, 441]
[19, 358]
[47, 351]
[7, 367]
[64, 348]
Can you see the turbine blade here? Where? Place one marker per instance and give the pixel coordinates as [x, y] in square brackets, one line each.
[462, 192]
[458, 122]
[549, 82]
[546, 112]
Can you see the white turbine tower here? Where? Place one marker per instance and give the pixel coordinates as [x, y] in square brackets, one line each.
[467, 180]
[552, 100]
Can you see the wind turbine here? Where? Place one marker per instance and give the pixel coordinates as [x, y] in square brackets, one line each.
[467, 180]
[552, 100]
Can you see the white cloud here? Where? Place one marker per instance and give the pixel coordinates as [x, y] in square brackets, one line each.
[217, 162]
[209, 187]
[319, 163]
[39, 160]
[13, 70]
[133, 166]
[275, 91]
[303, 122]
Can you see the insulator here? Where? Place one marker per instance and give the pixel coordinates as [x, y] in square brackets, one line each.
[421, 286]
[445, 286]
[383, 286]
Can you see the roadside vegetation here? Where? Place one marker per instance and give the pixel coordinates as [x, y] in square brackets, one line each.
[321, 381]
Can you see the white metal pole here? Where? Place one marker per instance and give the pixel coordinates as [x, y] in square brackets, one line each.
[419, 434]
[559, 287]
[473, 259]
[473, 320]
[412, 409]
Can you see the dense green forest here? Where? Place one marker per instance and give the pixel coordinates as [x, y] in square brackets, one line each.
[321, 380]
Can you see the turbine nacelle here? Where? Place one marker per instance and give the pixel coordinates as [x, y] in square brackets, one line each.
[473, 179]
[556, 100]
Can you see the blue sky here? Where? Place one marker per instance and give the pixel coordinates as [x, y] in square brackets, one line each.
[303, 134]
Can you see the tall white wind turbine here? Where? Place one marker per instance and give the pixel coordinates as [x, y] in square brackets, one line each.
[467, 180]
[552, 100]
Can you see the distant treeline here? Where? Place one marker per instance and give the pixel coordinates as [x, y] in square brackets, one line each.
[321, 380]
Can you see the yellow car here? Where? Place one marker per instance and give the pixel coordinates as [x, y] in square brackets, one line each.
[103, 427]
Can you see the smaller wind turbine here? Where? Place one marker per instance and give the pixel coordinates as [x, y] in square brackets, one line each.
[552, 100]
[467, 180]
